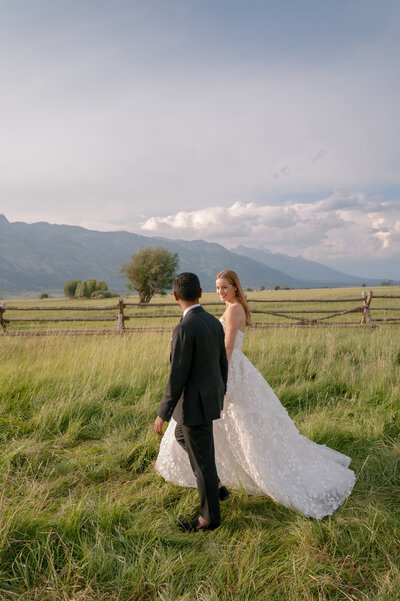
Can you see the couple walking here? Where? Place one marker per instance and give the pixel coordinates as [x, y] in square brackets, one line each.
[253, 442]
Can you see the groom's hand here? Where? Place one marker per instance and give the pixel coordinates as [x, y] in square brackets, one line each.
[158, 425]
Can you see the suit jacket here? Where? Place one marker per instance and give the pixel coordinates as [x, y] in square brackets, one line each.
[196, 386]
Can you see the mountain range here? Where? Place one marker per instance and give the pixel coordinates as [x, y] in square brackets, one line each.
[41, 257]
[300, 268]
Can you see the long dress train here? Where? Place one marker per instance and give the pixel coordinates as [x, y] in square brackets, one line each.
[258, 447]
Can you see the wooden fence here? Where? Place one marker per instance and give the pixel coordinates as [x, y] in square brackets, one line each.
[122, 316]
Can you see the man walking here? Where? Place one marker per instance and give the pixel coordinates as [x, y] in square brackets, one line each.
[194, 394]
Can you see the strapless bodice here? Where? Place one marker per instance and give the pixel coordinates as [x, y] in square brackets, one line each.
[239, 337]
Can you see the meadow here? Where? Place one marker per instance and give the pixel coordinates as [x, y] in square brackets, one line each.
[160, 313]
[85, 517]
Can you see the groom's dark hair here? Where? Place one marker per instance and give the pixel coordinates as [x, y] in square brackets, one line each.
[187, 286]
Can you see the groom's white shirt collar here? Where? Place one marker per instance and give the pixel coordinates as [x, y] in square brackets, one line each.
[190, 308]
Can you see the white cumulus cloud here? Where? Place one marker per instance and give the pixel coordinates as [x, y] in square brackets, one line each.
[347, 224]
[239, 220]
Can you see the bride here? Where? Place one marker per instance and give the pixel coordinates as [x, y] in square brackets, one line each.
[257, 445]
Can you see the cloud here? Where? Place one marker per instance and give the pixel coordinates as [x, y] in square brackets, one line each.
[319, 155]
[395, 233]
[347, 224]
[343, 199]
[239, 220]
[282, 172]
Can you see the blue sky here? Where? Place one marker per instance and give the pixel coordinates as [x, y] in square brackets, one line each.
[267, 124]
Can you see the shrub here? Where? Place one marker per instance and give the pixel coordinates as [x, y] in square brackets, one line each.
[90, 288]
[102, 294]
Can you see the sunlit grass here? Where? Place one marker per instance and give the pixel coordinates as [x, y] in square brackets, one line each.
[84, 516]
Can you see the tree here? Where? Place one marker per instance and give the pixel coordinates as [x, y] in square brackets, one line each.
[101, 291]
[90, 287]
[102, 286]
[70, 288]
[150, 271]
[81, 290]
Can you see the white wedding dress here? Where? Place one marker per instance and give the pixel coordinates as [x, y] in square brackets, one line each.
[258, 447]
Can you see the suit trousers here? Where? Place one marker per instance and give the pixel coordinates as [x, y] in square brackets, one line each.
[198, 442]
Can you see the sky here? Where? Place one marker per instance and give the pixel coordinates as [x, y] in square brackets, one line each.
[273, 125]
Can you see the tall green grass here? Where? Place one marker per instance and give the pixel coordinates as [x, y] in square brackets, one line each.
[84, 515]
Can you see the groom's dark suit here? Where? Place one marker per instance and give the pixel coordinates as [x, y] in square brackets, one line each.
[194, 396]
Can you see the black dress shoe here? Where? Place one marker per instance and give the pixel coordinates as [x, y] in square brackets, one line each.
[223, 493]
[194, 526]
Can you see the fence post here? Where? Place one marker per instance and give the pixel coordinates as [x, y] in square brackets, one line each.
[366, 317]
[3, 322]
[121, 317]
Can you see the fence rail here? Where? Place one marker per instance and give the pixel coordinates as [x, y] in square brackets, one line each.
[120, 314]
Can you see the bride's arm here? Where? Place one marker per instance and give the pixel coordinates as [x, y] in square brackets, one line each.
[233, 317]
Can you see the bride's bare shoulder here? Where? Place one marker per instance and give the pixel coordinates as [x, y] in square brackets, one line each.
[234, 312]
[235, 309]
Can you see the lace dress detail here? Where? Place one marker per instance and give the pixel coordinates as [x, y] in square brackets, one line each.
[258, 447]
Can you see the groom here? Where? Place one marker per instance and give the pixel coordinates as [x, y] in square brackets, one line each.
[194, 394]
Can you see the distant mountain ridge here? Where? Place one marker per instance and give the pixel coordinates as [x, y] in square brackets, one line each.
[40, 257]
[301, 268]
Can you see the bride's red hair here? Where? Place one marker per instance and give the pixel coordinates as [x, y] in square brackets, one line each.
[233, 278]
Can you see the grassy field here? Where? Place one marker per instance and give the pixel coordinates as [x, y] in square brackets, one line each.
[146, 316]
[85, 517]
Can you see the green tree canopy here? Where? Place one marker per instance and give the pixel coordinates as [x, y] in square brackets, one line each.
[90, 288]
[70, 288]
[150, 271]
[81, 290]
[101, 286]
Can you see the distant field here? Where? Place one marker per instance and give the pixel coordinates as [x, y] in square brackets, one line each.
[140, 316]
[85, 517]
